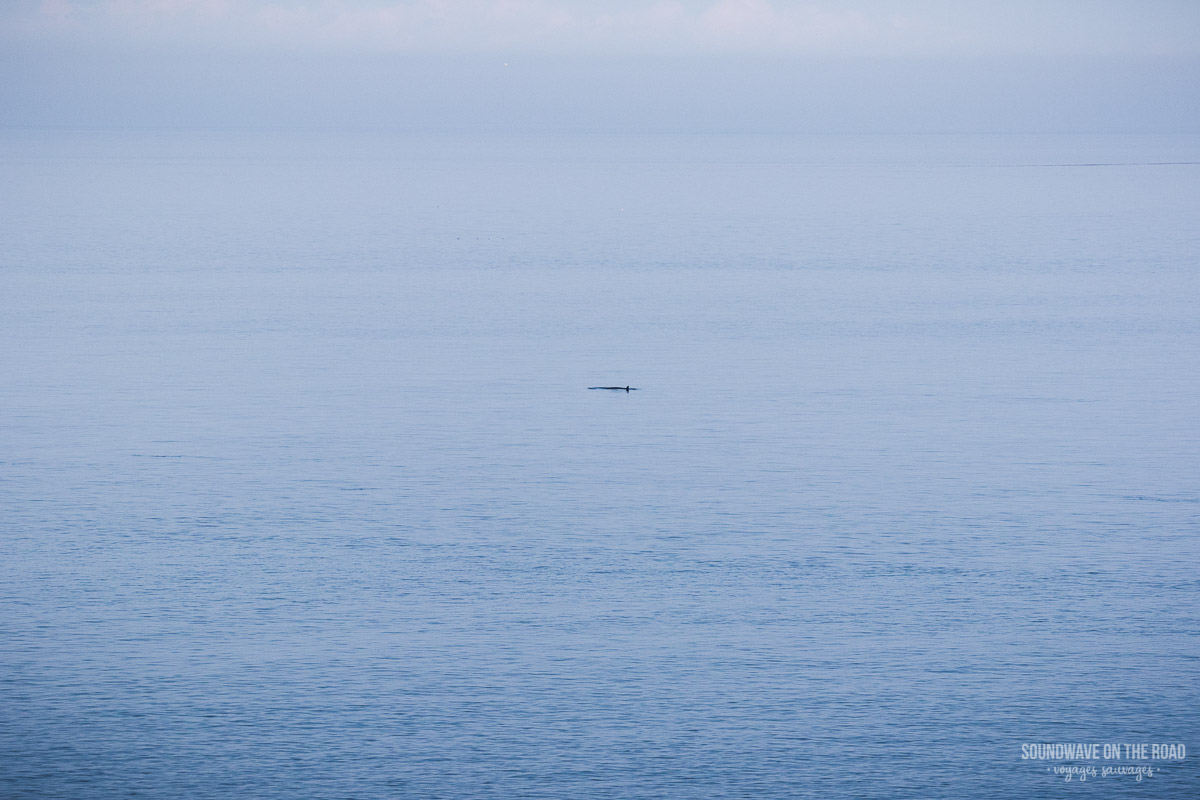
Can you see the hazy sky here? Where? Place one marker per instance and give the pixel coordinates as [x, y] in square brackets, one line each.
[774, 26]
[822, 65]
[822, 27]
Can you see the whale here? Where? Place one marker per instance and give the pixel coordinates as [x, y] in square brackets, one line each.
[616, 388]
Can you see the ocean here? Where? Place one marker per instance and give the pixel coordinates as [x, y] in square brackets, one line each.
[303, 491]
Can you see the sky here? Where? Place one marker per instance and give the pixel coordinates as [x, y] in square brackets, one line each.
[825, 65]
[780, 27]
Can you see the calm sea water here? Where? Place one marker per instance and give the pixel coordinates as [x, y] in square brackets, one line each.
[304, 493]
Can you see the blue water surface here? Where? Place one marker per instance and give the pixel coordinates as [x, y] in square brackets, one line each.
[304, 493]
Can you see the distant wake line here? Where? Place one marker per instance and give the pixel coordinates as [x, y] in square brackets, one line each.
[1113, 164]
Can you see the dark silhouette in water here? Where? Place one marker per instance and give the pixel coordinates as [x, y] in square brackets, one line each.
[616, 388]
